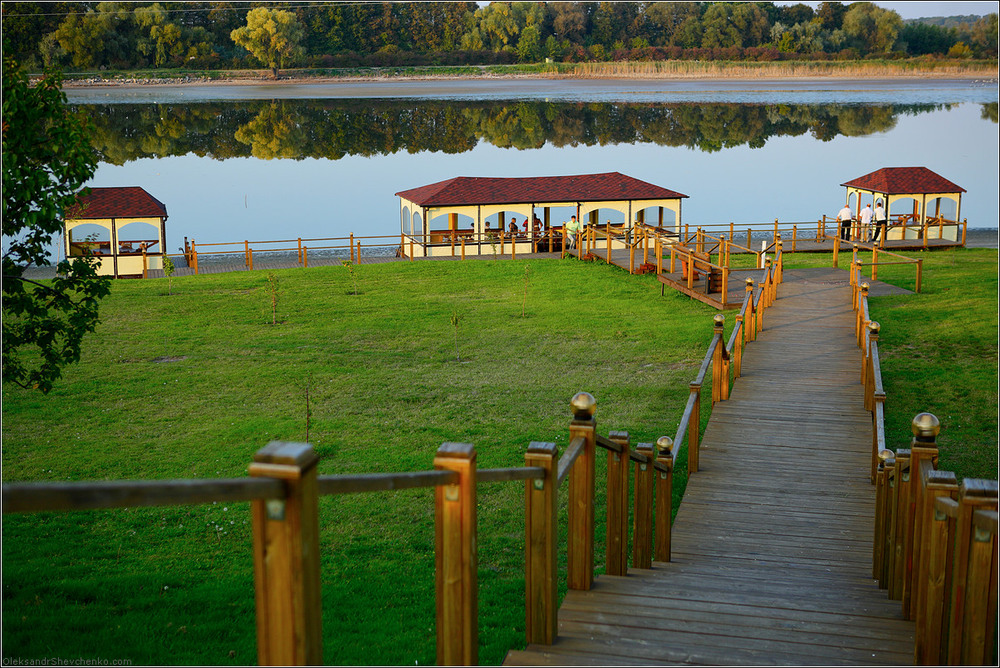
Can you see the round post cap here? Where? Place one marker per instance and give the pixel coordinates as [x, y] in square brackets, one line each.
[874, 327]
[584, 405]
[864, 287]
[664, 445]
[719, 320]
[926, 425]
[886, 455]
[749, 282]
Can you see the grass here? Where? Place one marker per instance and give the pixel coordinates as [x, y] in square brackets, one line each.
[385, 392]
[190, 385]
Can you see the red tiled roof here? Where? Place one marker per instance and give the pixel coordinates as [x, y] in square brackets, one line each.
[904, 181]
[469, 190]
[118, 202]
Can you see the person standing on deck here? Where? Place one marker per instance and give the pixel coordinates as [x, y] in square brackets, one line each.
[865, 218]
[572, 229]
[845, 216]
[880, 221]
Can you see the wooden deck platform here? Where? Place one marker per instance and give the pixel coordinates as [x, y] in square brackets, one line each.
[772, 543]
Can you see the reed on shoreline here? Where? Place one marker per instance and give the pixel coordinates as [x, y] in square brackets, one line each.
[705, 69]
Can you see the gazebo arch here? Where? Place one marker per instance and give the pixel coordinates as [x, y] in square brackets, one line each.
[114, 209]
[894, 185]
[480, 198]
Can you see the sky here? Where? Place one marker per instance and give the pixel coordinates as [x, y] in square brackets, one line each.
[916, 10]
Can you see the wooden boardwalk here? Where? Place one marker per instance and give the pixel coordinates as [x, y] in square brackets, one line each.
[772, 543]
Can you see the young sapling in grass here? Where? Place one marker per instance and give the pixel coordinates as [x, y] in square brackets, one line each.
[272, 285]
[524, 302]
[455, 320]
[308, 407]
[350, 270]
[168, 270]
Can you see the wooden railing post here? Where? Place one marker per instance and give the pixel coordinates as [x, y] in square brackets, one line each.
[883, 524]
[720, 375]
[580, 540]
[246, 253]
[664, 497]
[642, 513]
[738, 347]
[931, 601]
[920, 272]
[300, 246]
[881, 491]
[836, 250]
[659, 255]
[923, 454]
[900, 515]
[457, 567]
[749, 324]
[616, 560]
[981, 594]
[305, 257]
[694, 425]
[540, 574]
[350, 244]
[286, 558]
[965, 631]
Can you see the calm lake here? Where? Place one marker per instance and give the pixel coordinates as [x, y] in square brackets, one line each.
[324, 160]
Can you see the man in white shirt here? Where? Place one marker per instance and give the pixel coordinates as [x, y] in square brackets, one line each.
[845, 216]
[866, 222]
[880, 221]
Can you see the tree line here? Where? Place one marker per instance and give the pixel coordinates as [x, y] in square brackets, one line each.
[224, 35]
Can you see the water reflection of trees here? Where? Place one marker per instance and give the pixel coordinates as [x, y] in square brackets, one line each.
[297, 129]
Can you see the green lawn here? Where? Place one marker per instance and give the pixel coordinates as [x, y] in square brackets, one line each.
[192, 384]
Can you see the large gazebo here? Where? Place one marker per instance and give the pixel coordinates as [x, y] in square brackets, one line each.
[477, 211]
[910, 219]
[121, 252]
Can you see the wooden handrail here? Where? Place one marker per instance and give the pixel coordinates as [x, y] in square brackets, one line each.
[382, 482]
[566, 462]
[47, 496]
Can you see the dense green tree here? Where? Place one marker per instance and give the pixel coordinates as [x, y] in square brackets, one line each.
[734, 24]
[664, 20]
[271, 36]
[831, 15]
[984, 36]
[103, 36]
[46, 160]
[922, 38]
[871, 28]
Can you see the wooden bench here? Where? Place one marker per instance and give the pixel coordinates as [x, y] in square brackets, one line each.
[702, 264]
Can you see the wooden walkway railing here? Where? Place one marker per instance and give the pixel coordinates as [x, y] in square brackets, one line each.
[772, 544]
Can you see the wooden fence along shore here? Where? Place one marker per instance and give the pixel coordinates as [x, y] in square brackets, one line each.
[627, 248]
[934, 544]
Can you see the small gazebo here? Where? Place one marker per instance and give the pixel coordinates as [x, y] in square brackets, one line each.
[894, 186]
[134, 235]
[470, 205]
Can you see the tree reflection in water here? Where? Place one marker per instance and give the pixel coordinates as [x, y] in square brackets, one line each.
[331, 129]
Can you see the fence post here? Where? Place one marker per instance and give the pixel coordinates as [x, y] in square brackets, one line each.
[972, 495]
[836, 250]
[664, 497]
[286, 558]
[305, 257]
[659, 256]
[456, 570]
[888, 464]
[300, 246]
[246, 253]
[616, 537]
[350, 245]
[580, 541]
[749, 325]
[145, 262]
[694, 424]
[981, 595]
[720, 389]
[642, 514]
[900, 513]
[881, 490]
[540, 574]
[250, 257]
[920, 271]
[923, 454]
[930, 597]
[738, 347]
